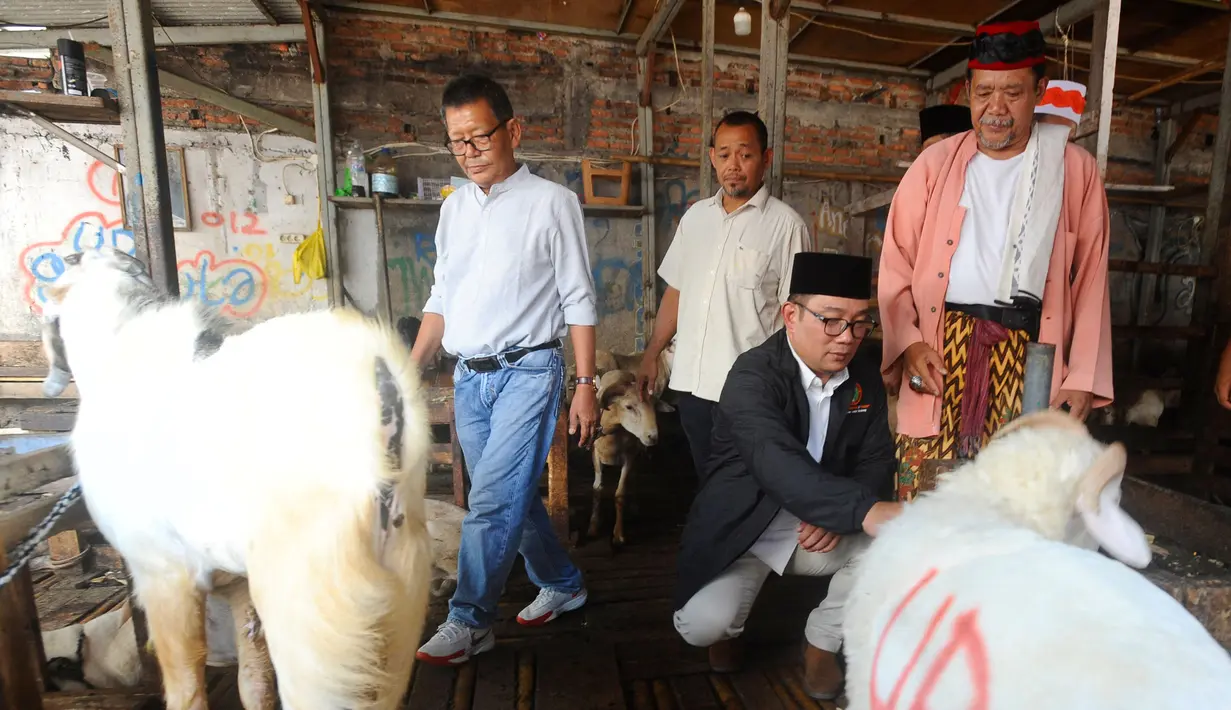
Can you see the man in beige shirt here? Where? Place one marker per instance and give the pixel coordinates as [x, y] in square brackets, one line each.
[727, 272]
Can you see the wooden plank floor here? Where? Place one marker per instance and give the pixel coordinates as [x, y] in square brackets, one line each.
[620, 651]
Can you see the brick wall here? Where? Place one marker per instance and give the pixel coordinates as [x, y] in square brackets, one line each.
[18, 74]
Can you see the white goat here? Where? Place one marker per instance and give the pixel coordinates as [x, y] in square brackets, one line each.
[987, 592]
[308, 432]
[628, 425]
[1145, 411]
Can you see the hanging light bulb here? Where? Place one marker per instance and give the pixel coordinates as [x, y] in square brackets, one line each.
[743, 23]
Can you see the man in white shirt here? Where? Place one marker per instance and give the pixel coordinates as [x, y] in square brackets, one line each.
[726, 270]
[512, 277]
[801, 471]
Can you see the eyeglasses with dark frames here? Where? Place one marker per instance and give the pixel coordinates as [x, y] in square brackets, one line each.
[834, 327]
[481, 142]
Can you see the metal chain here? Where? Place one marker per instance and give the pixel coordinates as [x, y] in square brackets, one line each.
[25, 549]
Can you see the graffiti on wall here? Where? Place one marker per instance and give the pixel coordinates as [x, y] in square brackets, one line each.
[829, 226]
[43, 262]
[618, 284]
[237, 287]
[673, 202]
[414, 272]
[238, 284]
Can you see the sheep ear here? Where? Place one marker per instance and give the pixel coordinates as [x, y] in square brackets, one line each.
[1098, 501]
[1041, 419]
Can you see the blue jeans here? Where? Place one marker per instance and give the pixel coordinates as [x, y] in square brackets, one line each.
[505, 422]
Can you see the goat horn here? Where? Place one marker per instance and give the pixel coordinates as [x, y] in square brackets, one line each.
[1108, 465]
[130, 263]
[1041, 419]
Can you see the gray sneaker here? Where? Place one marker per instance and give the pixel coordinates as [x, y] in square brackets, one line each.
[455, 643]
[550, 604]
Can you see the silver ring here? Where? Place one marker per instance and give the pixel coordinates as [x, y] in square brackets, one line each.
[916, 382]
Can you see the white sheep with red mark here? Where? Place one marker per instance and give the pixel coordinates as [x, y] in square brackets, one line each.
[286, 463]
[988, 593]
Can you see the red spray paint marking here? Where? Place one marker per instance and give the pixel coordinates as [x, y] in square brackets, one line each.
[108, 194]
[252, 224]
[966, 636]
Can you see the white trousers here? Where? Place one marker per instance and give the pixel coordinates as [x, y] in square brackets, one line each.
[719, 610]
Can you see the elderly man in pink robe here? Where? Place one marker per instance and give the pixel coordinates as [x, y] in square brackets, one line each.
[996, 237]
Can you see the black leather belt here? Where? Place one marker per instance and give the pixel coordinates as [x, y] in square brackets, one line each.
[491, 363]
[1011, 317]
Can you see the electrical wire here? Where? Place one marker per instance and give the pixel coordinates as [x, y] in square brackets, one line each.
[5, 23]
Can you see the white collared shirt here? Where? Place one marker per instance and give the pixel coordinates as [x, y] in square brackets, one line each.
[512, 266]
[778, 542]
[733, 272]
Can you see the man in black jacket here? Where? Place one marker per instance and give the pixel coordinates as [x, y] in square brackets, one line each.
[800, 471]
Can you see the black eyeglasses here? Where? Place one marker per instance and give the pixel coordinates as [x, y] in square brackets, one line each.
[481, 142]
[837, 326]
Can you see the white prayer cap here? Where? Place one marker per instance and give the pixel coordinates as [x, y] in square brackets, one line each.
[1066, 99]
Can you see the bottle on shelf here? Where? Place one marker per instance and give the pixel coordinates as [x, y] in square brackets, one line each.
[384, 174]
[356, 170]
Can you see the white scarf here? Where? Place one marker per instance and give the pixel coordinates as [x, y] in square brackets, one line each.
[1034, 215]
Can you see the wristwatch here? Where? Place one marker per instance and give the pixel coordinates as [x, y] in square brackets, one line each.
[585, 381]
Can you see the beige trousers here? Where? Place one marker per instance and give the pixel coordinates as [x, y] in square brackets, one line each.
[719, 610]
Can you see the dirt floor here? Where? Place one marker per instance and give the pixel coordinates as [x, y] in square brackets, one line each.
[619, 651]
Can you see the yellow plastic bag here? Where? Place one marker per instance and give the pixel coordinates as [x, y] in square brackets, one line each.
[310, 256]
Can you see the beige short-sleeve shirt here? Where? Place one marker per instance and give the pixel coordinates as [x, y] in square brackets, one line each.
[733, 274]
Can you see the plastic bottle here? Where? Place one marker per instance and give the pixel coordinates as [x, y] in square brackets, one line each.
[384, 174]
[355, 167]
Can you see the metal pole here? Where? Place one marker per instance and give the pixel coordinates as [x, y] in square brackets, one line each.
[326, 180]
[136, 75]
[384, 305]
[1036, 387]
[707, 95]
[648, 243]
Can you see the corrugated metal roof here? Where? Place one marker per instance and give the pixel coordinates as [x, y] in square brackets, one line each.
[172, 13]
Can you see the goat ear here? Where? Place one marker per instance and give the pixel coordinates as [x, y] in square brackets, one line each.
[663, 406]
[1098, 501]
[1038, 420]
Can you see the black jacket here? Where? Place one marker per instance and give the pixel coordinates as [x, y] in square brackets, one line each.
[759, 462]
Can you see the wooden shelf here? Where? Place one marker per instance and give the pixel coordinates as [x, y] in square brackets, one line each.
[613, 210]
[367, 203]
[63, 109]
[1145, 267]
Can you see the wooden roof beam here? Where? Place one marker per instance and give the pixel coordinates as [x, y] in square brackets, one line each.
[1205, 67]
[260, 7]
[885, 18]
[628, 6]
[659, 24]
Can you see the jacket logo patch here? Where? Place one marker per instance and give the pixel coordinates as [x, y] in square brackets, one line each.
[856, 404]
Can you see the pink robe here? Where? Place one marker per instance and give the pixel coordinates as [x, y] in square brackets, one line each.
[921, 234]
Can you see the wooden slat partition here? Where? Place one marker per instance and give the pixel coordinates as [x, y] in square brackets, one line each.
[21, 513]
[25, 472]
